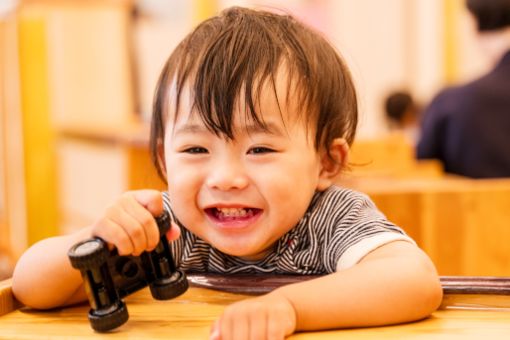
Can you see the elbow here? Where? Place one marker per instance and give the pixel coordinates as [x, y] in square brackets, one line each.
[23, 291]
[432, 297]
[20, 289]
[28, 296]
[419, 302]
[26, 290]
[430, 294]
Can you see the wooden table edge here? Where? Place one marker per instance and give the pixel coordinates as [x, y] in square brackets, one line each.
[459, 291]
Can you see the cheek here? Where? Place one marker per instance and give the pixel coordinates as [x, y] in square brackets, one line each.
[182, 183]
[291, 191]
[183, 193]
[288, 195]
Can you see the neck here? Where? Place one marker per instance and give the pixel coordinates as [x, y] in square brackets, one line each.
[496, 43]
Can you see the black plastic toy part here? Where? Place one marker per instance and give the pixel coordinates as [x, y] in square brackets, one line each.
[109, 277]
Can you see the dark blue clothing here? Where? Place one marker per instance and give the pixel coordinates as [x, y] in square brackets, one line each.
[468, 127]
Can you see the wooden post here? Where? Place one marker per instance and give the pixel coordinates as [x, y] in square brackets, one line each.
[38, 133]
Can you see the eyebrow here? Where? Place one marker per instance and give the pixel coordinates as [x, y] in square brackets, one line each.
[191, 128]
[268, 127]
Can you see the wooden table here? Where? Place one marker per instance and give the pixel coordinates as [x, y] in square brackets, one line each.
[462, 316]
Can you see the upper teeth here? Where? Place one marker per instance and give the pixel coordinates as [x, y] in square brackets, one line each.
[233, 211]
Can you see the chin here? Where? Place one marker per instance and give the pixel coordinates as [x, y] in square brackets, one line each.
[233, 249]
[245, 253]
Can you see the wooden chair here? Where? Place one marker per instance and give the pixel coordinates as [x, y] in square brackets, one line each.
[461, 223]
[8, 302]
[389, 156]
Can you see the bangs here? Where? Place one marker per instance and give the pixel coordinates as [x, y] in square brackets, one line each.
[228, 65]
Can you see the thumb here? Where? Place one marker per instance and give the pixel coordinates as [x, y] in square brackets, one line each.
[174, 232]
[151, 200]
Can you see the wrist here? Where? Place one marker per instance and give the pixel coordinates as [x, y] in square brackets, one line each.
[286, 301]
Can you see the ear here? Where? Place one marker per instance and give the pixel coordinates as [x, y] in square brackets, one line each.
[332, 164]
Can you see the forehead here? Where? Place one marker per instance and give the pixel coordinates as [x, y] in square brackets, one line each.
[275, 100]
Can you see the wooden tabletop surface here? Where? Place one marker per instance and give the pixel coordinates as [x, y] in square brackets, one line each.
[467, 316]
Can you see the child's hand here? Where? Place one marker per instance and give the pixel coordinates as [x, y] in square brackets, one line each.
[270, 316]
[129, 223]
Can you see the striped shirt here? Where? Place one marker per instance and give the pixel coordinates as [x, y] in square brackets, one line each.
[339, 228]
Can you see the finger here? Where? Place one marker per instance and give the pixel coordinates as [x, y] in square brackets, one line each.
[174, 232]
[258, 325]
[274, 329]
[215, 331]
[144, 219]
[227, 326]
[114, 234]
[238, 326]
[151, 200]
[131, 226]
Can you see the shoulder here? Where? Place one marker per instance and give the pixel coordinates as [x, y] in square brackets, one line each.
[466, 97]
[336, 195]
[340, 202]
[348, 225]
[448, 100]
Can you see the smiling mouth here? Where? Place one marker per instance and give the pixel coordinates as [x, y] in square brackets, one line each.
[232, 214]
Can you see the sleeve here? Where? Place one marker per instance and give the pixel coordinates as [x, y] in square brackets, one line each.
[359, 228]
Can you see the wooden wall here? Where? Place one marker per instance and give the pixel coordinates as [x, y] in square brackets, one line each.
[62, 64]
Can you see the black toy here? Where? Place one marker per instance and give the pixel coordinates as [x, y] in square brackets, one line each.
[109, 277]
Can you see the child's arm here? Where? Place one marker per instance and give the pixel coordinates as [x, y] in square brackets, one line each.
[394, 283]
[43, 276]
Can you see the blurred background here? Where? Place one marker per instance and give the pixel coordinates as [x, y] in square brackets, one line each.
[77, 79]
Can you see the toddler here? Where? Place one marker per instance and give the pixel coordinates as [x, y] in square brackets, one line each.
[253, 117]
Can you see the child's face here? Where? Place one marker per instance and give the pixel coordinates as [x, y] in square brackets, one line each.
[242, 195]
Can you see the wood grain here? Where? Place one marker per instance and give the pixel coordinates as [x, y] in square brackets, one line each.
[191, 315]
[466, 316]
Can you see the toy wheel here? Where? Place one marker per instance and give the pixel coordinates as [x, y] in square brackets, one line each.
[170, 288]
[88, 254]
[163, 222]
[102, 321]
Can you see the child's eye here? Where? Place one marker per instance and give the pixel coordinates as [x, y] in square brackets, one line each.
[195, 150]
[259, 150]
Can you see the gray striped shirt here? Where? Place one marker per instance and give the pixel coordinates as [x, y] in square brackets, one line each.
[339, 228]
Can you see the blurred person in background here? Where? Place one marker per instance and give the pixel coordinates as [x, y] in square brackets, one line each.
[402, 114]
[468, 127]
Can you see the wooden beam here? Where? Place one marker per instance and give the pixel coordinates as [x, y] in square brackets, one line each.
[38, 133]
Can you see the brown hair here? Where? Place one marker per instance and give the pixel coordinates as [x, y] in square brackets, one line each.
[236, 53]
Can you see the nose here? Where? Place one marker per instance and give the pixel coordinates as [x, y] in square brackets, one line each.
[227, 174]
